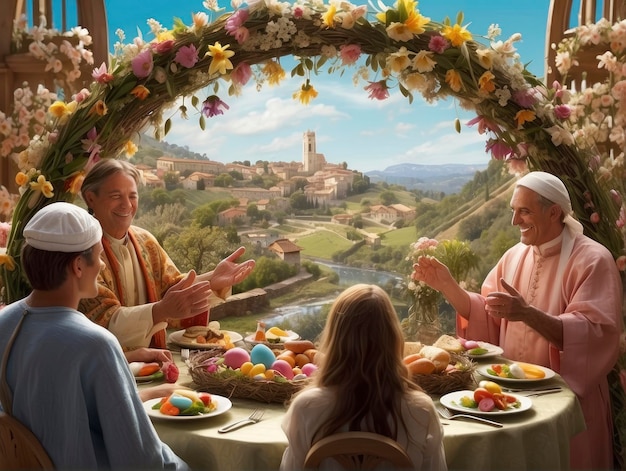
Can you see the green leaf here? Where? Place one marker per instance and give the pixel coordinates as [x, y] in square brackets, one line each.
[194, 101]
[459, 18]
[168, 126]
[170, 88]
[202, 123]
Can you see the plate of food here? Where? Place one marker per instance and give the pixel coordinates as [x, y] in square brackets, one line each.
[463, 401]
[145, 372]
[192, 405]
[273, 336]
[484, 350]
[201, 337]
[515, 372]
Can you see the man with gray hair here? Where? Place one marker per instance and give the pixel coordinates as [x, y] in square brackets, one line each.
[67, 378]
[554, 300]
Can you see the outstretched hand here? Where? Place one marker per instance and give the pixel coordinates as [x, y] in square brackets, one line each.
[187, 298]
[228, 272]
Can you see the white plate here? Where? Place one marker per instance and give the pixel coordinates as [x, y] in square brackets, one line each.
[223, 404]
[492, 351]
[452, 402]
[179, 339]
[292, 336]
[483, 371]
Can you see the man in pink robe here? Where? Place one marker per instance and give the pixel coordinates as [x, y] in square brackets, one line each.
[555, 300]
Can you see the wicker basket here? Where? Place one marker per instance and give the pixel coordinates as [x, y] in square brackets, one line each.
[444, 383]
[229, 384]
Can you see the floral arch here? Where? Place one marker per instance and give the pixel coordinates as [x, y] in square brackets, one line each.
[399, 49]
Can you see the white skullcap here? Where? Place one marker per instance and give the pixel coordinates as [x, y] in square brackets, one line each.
[553, 189]
[62, 227]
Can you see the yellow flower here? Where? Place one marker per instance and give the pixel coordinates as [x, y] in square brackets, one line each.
[130, 148]
[485, 82]
[164, 36]
[453, 78]
[306, 93]
[328, 18]
[58, 109]
[7, 261]
[21, 179]
[274, 72]
[416, 22]
[99, 108]
[140, 92]
[42, 185]
[221, 58]
[456, 34]
[424, 62]
[524, 116]
[398, 61]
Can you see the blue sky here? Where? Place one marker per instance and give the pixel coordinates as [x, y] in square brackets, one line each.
[368, 135]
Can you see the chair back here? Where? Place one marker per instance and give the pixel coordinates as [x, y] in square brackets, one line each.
[358, 450]
[19, 447]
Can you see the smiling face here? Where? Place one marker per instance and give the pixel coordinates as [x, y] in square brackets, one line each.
[115, 204]
[537, 222]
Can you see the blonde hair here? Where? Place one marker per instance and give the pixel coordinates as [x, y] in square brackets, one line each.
[363, 345]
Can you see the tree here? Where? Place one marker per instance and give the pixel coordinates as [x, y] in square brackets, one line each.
[388, 197]
[171, 180]
[204, 216]
[252, 211]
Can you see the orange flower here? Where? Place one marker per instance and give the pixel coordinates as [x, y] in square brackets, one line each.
[99, 108]
[140, 92]
[485, 82]
[21, 179]
[453, 78]
[74, 183]
[524, 116]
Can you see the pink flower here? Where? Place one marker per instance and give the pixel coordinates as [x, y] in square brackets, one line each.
[170, 371]
[438, 44]
[163, 47]
[499, 150]
[213, 106]
[525, 98]
[236, 21]
[377, 90]
[349, 53]
[187, 56]
[484, 125]
[241, 74]
[562, 111]
[142, 64]
[5, 228]
[621, 262]
[101, 74]
[594, 218]
[82, 95]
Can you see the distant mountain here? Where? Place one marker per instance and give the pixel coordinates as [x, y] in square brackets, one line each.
[448, 178]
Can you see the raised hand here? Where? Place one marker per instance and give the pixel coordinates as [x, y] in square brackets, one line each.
[432, 272]
[187, 298]
[508, 305]
[228, 272]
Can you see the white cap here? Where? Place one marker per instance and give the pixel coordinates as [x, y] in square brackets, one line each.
[553, 189]
[62, 227]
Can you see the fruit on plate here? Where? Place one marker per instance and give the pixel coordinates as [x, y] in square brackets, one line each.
[488, 396]
[517, 370]
[186, 402]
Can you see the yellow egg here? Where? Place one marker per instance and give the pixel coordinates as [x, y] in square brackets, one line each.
[278, 331]
[259, 368]
[246, 367]
[269, 374]
[490, 386]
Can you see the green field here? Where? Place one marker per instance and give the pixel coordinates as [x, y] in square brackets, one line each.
[400, 238]
[322, 244]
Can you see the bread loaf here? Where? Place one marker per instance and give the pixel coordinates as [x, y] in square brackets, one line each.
[439, 356]
[412, 347]
[449, 344]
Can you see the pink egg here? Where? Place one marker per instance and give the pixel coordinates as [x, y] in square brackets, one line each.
[235, 357]
[469, 344]
[283, 368]
[309, 369]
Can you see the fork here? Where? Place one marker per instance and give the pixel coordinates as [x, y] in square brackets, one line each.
[255, 417]
[446, 414]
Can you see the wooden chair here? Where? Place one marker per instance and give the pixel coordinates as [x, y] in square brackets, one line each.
[19, 448]
[358, 450]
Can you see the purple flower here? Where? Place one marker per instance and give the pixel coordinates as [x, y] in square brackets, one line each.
[499, 150]
[484, 125]
[142, 64]
[213, 106]
[187, 56]
[438, 44]
[236, 21]
[525, 98]
[241, 74]
[163, 46]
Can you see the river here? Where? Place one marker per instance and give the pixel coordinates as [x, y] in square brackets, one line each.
[348, 276]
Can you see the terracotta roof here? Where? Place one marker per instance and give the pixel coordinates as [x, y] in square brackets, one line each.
[284, 246]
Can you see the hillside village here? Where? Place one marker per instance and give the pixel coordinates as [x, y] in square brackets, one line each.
[322, 184]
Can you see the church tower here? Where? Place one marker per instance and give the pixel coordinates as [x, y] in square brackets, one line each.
[311, 160]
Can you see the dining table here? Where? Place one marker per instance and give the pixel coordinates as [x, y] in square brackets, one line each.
[533, 439]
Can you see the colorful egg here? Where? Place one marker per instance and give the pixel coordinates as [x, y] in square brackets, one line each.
[261, 353]
[235, 357]
[180, 402]
[283, 368]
